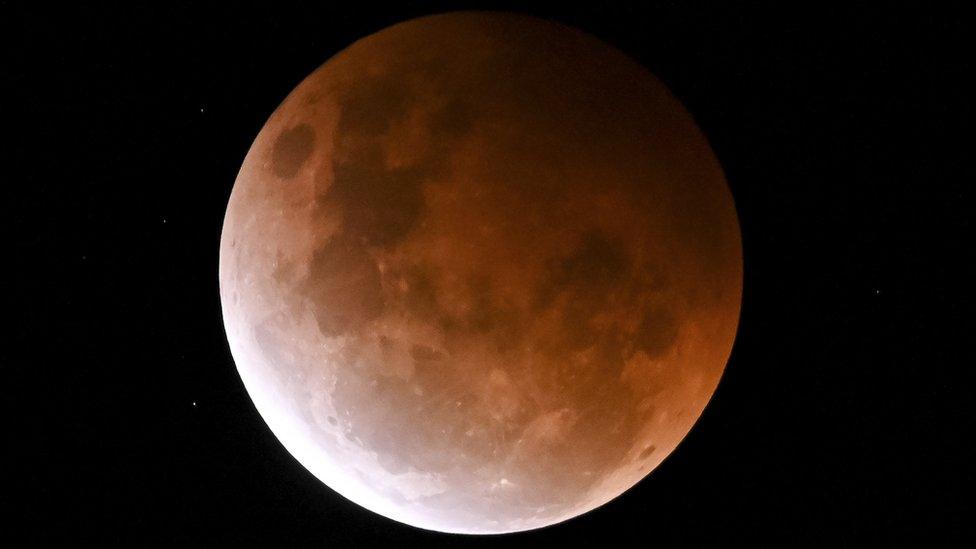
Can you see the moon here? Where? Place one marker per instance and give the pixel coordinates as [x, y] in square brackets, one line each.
[480, 273]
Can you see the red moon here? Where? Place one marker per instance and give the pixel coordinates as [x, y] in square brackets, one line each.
[480, 273]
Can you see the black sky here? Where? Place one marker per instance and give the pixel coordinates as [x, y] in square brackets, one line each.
[845, 411]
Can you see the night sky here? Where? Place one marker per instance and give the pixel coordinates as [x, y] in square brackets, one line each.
[845, 410]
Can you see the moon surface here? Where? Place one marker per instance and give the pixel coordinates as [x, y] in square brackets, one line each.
[480, 273]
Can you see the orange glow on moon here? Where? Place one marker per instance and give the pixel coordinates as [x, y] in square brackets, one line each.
[480, 273]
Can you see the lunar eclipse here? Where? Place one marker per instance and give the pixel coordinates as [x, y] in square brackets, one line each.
[480, 273]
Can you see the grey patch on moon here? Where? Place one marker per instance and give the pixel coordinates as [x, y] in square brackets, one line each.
[658, 331]
[379, 205]
[343, 286]
[598, 262]
[291, 149]
[646, 453]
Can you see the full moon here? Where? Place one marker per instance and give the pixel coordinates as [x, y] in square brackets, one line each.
[480, 273]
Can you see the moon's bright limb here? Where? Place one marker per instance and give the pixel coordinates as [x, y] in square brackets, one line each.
[480, 273]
